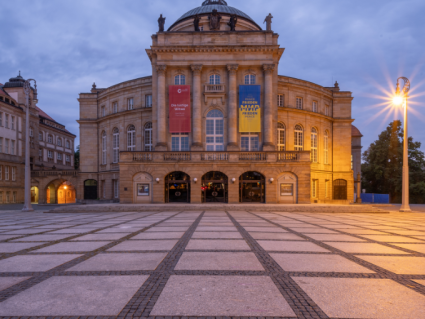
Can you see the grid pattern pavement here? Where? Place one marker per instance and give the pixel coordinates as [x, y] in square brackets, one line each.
[210, 264]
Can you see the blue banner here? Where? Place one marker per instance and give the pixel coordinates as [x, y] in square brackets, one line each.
[249, 108]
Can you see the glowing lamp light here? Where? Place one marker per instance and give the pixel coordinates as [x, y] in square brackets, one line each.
[65, 187]
[398, 100]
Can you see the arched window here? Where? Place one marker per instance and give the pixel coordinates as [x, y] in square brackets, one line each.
[326, 147]
[103, 148]
[280, 136]
[50, 139]
[148, 137]
[131, 138]
[298, 138]
[314, 145]
[59, 141]
[214, 79]
[116, 145]
[180, 79]
[215, 131]
[40, 136]
[250, 79]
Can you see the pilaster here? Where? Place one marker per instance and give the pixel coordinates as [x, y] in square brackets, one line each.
[232, 112]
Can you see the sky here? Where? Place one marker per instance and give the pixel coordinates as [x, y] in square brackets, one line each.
[364, 45]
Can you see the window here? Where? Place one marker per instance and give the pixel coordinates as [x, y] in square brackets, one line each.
[14, 197]
[327, 110]
[131, 138]
[59, 141]
[40, 136]
[180, 142]
[148, 137]
[326, 189]
[67, 144]
[148, 100]
[298, 138]
[1, 172]
[6, 173]
[250, 79]
[314, 188]
[13, 122]
[13, 173]
[116, 188]
[31, 132]
[102, 111]
[314, 145]
[215, 79]
[7, 197]
[7, 120]
[104, 148]
[116, 145]
[299, 103]
[340, 189]
[315, 109]
[280, 136]
[1, 144]
[50, 154]
[130, 104]
[250, 142]
[326, 147]
[1, 119]
[40, 154]
[6, 146]
[12, 147]
[180, 79]
[215, 131]
[50, 139]
[68, 159]
[115, 107]
[280, 100]
[59, 156]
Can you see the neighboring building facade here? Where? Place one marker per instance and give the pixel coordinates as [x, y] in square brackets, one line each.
[142, 142]
[51, 150]
[356, 152]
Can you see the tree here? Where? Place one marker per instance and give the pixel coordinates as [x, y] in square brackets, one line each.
[383, 165]
[77, 158]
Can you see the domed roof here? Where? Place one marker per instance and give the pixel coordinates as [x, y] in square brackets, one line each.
[17, 81]
[208, 6]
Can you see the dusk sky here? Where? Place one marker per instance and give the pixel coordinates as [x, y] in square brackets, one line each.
[364, 45]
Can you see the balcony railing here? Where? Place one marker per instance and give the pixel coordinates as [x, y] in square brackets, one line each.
[214, 88]
[231, 157]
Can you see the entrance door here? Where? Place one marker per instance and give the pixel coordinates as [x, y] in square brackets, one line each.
[252, 188]
[90, 189]
[340, 189]
[177, 188]
[214, 188]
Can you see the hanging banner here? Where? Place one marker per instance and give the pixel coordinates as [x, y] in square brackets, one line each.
[249, 108]
[179, 109]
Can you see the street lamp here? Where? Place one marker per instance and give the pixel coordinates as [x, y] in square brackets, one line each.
[27, 91]
[399, 99]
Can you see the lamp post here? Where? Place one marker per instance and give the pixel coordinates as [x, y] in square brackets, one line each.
[400, 98]
[27, 91]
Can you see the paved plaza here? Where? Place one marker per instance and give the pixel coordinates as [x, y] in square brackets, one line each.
[212, 264]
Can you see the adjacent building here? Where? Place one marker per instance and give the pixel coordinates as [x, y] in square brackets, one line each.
[215, 122]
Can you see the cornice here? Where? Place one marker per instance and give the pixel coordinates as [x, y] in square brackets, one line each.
[215, 48]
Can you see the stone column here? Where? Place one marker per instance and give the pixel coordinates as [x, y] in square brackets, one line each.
[197, 144]
[232, 110]
[268, 144]
[161, 144]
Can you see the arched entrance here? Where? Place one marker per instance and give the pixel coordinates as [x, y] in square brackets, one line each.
[34, 195]
[51, 194]
[177, 188]
[340, 189]
[252, 188]
[66, 193]
[214, 188]
[90, 189]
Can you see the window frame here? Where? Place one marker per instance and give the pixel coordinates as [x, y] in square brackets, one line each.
[251, 136]
[131, 138]
[13, 174]
[250, 79]
[214, 79]
[148, 98]
[281, 100]
[115, 146]
[281, 130]
[315, 107]
[180, 79]
[180, 137]
[50, 139]
[299, 103]
[314, 135]
[217, 119]
[130, 104]
[326, 147]
[103, 148]
[114, 107]
[298, 138]
[147, 137]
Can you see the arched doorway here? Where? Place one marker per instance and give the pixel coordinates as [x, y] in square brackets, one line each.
[90, 189]
[214, 188]
[51, 194]
[34, 195]
[66, 193]
[340, 189]
[252, 188]
[177, 188]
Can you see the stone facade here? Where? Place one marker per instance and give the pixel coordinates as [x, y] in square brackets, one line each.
[304, 143]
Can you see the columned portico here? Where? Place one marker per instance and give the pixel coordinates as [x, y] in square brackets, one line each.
[197, 144]
[161, 144]
[232, 110]
[268, 144]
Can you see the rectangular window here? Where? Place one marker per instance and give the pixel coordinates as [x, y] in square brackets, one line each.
[50, 154]
[315, 108]
[116, 147]
[299, 103]
[180, 142]
[148, 100]
[68, 159]
[116, 188]
[40, 136]
[6, 146]
[13, 173]
[1, 144]
[280, 100]
[102, 111]
[103, 189]
[327, 110]
[326, 189]
[250, 142]
[59, 156]
[326, 152]
[12, 147]
[314, 188]
[130, 105]
[13, 122]
[6, 173]
[143, 189]
[7, 197]
[7, 120]
[14, 197]
[104, 149]
[115, 107]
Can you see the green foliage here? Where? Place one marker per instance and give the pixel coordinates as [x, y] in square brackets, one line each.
[383, 166]
[77, 158]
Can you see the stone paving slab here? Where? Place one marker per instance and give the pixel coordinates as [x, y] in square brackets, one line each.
[139, 245]
[420, 248]
[363, 298]
[33, 263]
[218, 261]
[291, 246]
[393, 239]
[83, 296]
[43, 237]
[199, 244]
[281, 236]
[221, 234]
[334, 237]
[221, 296]
[14, 247]
[365, 248]
[72, 247]
[399, 265]
[97, 236]
[159, 235]
[6, 282]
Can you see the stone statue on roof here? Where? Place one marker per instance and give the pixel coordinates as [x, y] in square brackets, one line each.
[232, 22]
[196, 20]
[161, 23]
[268, 20]
[214, 18]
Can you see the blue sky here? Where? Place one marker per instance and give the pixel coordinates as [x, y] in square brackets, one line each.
[364, 45]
